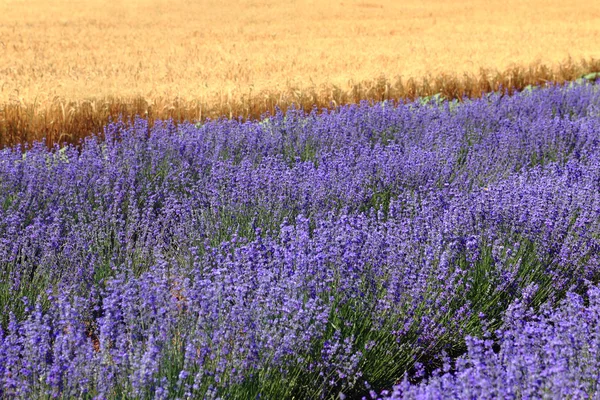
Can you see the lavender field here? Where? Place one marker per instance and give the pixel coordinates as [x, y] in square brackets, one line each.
[419, 250]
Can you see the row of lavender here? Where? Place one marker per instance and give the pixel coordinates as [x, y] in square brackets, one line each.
[552, 354]
[304, 255]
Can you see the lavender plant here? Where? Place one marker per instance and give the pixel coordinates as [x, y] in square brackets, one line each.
[551, 353]
[306, 256]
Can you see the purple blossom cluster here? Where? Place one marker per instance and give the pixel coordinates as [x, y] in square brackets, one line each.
[552, 353]
[305, 255]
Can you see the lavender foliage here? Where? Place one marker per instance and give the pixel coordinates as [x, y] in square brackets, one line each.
[308, 255]
[550, 354]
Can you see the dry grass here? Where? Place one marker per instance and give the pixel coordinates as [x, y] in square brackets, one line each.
[65, 67]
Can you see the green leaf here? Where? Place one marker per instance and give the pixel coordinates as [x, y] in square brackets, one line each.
[592, 76]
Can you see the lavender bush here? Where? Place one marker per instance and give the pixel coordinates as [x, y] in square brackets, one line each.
[303, 256]
[551, 354]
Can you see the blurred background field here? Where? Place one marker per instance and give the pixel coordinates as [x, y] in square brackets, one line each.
[67, 66]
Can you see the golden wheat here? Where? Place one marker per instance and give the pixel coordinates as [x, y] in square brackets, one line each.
[66, 66]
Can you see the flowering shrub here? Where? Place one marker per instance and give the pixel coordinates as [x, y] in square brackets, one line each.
[550, 355]
[302, 256]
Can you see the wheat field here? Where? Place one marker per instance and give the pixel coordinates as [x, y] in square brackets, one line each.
[67, 66]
